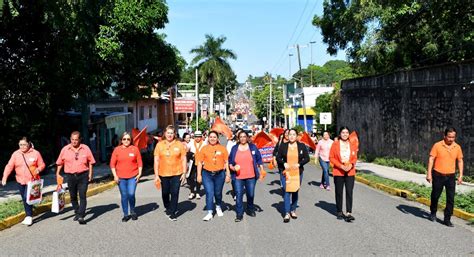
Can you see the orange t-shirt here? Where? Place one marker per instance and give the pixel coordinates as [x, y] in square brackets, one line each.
[170, 158]
[213, 157]
[445, 157]
[126, 161]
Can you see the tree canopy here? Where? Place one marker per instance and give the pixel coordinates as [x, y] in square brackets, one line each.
[383, 36]
[53, 53]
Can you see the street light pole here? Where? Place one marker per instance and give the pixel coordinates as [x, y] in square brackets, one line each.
[302, 90]
[270, 116]
[311, 68]
[197, 101]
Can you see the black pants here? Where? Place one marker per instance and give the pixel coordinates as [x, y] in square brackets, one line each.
[170, 193]
[339, 182]
[28, 208]
[194, 186]
[78, 183]
[438, 183]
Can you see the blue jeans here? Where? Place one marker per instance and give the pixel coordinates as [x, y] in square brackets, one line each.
[127, 192]
[249, 184]
[213, 184]
[325, 176]
[290, 206]
[28, 208]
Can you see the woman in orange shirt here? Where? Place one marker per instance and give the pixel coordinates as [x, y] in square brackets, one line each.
[170, 170]
[26, 162]
[212, 171]
[291, 158]
[343, 157]
[126, 165]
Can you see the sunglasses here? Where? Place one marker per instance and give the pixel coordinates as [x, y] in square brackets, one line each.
[126, 139]
[77, 156]
[23, 144]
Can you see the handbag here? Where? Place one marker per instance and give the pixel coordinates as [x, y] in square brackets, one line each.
[59, 198]
[34, 188]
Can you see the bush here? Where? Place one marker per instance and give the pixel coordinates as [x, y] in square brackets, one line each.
[408, 165]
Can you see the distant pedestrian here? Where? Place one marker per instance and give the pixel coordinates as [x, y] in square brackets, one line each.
[291, 158]
[170, 170]
[442, 173]
[126, 165]
[78, 161]
[343, 157]
[321, 155]
[246, 161]
[27, 162]
[213, 171]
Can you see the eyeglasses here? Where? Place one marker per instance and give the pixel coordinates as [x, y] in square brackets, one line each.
[23, 144]
[126, 139]
[77, 156]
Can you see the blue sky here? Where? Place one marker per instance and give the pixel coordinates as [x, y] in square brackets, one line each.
[258, 31]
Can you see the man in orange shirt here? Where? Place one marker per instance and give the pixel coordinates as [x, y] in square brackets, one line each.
[78, 161]
[441, 173]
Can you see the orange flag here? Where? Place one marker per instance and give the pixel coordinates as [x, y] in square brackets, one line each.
[220, 127]
[140, 138]
[306, 139]
[354, 139]
[261, 140]
[277, 131]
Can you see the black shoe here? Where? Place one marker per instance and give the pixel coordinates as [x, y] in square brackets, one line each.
[286, 219]
[173, 217]
[340, 216]
[76, 217]
[448, 223]
[81, 221]
[238, 219]
[134, 216]
[251, 213]
[349, 218]
[126, 218]
[432, 217]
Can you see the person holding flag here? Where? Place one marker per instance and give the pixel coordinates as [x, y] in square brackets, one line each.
[343, 158]
[245, 160]
[170, 170]
[291, 158]
[27, 163]
[126, 165]
[213, 171]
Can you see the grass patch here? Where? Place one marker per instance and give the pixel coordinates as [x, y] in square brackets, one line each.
[464, 202]
[10, 208]
[408, 165]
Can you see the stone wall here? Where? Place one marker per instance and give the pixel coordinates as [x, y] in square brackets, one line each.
[403, 113]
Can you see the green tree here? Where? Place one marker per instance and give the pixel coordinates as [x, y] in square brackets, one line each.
[261, 95]
[213, 65]
[56, 54]
[383, 36]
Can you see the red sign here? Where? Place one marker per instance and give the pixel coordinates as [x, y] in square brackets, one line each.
[184, 106]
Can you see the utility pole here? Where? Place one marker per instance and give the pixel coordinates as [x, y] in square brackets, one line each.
[225, 102]
[284, 105]
[302, 91]
[270, 116]
[311, 68]
[197, 101]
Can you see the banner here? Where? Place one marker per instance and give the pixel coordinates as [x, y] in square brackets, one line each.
[267, 153]
[184, 106]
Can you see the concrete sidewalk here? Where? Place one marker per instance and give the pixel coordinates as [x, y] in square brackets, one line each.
[10, 191]
[402, 175]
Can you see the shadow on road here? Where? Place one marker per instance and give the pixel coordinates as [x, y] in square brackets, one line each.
[314, 183]
[97, 211]
[329, 207]
[185, 206]
[280, 207]
[277, 191]
[144, 209]
[414, 211]
[274, 182]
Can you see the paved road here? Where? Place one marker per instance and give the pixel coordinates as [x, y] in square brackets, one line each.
[384, 225]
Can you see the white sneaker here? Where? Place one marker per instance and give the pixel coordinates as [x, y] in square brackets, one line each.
[208, 217]
[198, 196]
[191, 196]
[219, 211]
[27, 221]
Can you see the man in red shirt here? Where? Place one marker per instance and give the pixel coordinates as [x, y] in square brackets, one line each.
[78, 161]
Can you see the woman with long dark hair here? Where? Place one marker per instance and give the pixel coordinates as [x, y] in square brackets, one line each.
[291, 158]
[343, 157]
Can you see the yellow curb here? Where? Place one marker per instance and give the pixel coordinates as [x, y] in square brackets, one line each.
[409, 195]
[44, 207]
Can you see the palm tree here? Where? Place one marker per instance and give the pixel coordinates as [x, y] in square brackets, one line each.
[213, 66]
